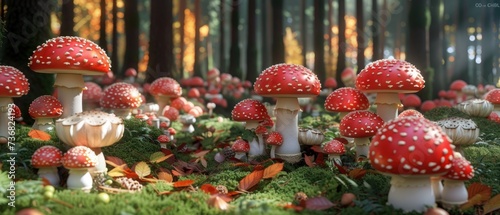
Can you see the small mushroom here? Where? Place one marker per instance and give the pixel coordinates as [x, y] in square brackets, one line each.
[360, 125]
[162, 89]
[274, 139]
[121, 98]
[79, 160]
[47, 159]
[187, 121]
[334, 149]
[44, 110]
[240, 147]
[164, 140]
[454, 190]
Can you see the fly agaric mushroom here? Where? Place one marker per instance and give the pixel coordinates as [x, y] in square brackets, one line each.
[13, 84]
[427, 106]
[476, 107]
[411, 101]
[348, 77]
[388, 78]
[121, 98]
[46, 159]
[162, 89]
[345, 100]
[240, 147]
[70, 58]
[286, 83]
[93, 129]
[251, 112]
[462, 132]
[130, 75]
[274, 139]
[493, 96]
[91, 96]
[334, 148]
[411, 150]
[360, 125]
[164, 140]
[410, 112]
[44, 110]
[457, 86]
[172, 132]
[79, 160]
[454, 191]
[330, 84]
[171, 113]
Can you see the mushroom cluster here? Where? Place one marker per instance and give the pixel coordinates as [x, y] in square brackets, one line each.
[44, 110]
[462, 132]
[252, 112]
[162, 89]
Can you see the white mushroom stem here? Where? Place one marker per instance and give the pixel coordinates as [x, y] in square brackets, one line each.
[69, 93]
[240, 155]
[335, 158]
[362, 146]
[51, 174]
[79, 179]
[496, 109]
[286, 112]
[273, 151]
[44, 124]
[100, 167]
[387, 105]
[257, 146]
[437, 187]
[411, 193]
[454, 193]
[124, 113]
[4, 118]
[187, 127]
[162, 101]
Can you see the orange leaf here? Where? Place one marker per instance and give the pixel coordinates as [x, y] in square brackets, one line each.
[478, 188]
[308, 160]
[178, 173]
[45, 181]
[39, 135]
[476, 200]
[272, 170]
[318, 203]
[218, 201]
[183, 183]
[165, 176]
[208, 188]
[250, 180]
[357, 173]
[294, 207]
[114, 161]
[492, 205]
[201, 153]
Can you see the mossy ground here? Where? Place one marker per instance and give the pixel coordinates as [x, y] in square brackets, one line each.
[268, 197]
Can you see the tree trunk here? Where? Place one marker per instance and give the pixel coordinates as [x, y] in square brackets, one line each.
[114, 43]
[234, 50]
[341, 61]
[319, 53]
[197, 43]
[329, 29]
[131, 18]
[278, 46]
[160, 41]
[376, 31]
[182, 8]
[252, 72]
[266, 34]
[418, 43]
[67, 16]
[222, 46]
[461, 41]
[103, 42]
[27, 25]
[2, 9]
[383, 25]
[488, 47]
[435, 45]
[360, 36]
[303, 31]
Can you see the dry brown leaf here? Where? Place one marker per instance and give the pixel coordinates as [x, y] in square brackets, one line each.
[158, 157]
[218, 201]
[357, 173]
[492, 205]
[308, 160]
[165, 176]
[250, 180]
[478, 188]
[476, 200]
[318, 203]
[208, 188]
[39, 135]
[272, 170]
[118, 171]
[114, 161]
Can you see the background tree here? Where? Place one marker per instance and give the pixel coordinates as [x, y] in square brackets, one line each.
[234, 50]
[114, 39]
[131, 18]
[303, 30]
[103, 42]
[222, 43]
[319, 53]
[278, 47]
[341, 44]
[376, 31]
[360, 35]
[252, 72]
[160, 62]
[197, 43]
[460, 63]
[67, 16]
[435, 45]
[182, 8]
[488, 50]
[27, 25]
[266, 33]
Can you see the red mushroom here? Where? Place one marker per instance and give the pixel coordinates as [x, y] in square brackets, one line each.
[345, 100]
[251, 112]
[70, 58]
[360, 125]
[240, 147]
[411, 101]
[13, 84]
[427, 106]
[493, 96]
[44, 110]
[274, 139]
[164, 140]
[79, 160]
[130, 75]
[91, 96]
[411, 150]
[162, 89]
[334, 148]
[410, 112]
[388, 78]
[171, 113]
[178, 103]
[121, 98]
[172, 132]
[457, 86]
[330, 84]
[46, 159]
[194, 93]
[286, 83]
[494, 117]
[348, 77]
[454, 191]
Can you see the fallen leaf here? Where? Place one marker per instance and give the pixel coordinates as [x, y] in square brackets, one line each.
[203, 162]
[165, 176]
[183, 183]
[158, 157]
[297, 208]
[318, 203]
[208, 188]
[39, 135]
[475, 200]
[342, 170]
[142, 169]
[478, 188]
[250, 180]
[118, 171]
[492, 205]
[320, 160]
[218, 201]
[357, 173]
[272, 170]
[317, 149]
[308, 160]
[114, 161]
[45, 181]
[201, 153]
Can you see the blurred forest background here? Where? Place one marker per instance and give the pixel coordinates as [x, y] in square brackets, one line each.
[446, 39]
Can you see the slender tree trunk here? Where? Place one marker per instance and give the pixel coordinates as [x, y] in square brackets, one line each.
[376, 31]
[266, 34]
[131, 19]
[234, 58]
[383, 26]
[319, 53]
[303, 30]
[197, 43]
[435, 45]
[461, 60]
[103, 42]
[360, 35]
[160, 41]
[182, 8]
[341, 61]
[329, 29]
[222, 46]
[252, 72]
[488, 50]
[114, 42]
[2, 9]
[27, 25]
[278, 46]
[67, 16]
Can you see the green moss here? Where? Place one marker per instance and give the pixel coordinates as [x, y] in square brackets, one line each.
[229, 178]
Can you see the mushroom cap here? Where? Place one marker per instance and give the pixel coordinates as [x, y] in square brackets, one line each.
[120, 95]
[346, 99]
[359, 124]
[390, 75]
[240, 145]
[13, 83]
[493, 96]
[427, 106]
[196, 81]
[411, 100]
[457, 85]
[171, 113]
[45, 106]
[46, 156]
[442, 94]
[330, 82]
[79, 157]
[163, 138]
[171, 131]
[213, 73]
[411, 146]
[165, 86]
[334, 147]
[249, 110]
[461, 131]
[274, 138]
[92, 92]
[130, 72]
[178, 103]
[410, 112]
[193, 93]
[348, 73]
[461, 170]
[70, 55]
[287, 80]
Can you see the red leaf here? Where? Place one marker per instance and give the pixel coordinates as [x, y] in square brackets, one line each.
[258, 167]
[250, 180]
[318, 203]
[357, 173]
[39, 135]
[309, 161]
[131, 174]
[234, 193]
[115, 161]
[183, 183]
[272, 170]
[342, 170]
[208, 188]
[320, 159]
[317, 149]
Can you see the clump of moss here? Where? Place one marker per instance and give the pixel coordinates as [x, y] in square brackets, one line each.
[440, 113]
[229, 178]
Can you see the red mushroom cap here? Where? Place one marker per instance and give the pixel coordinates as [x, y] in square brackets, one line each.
[213, 73]
[120, 95]
[240, 145]
[165, 87]
[268, 122]
[187, 106]
[390, 76]
[163, 138]
[171, 113]
[442, 94]
[444, 103]
[74, 55]
[450, 94]
[359, 124]
[46, 156]
[334, 147]
[13, 83]
[130, 72]
[193, 93]
[411, 146]
[171, 131]
[45, 107]
[274, 138]
[457, 85]
[79, 157]
[178, 103]
[16, 112]
[348, 73]
[410, 112]
[411, 100]
[249, 110]
[427, 106]
[461, 170]
[287, 80]
[494, 117]
[196, 82]
[346, 99]
[261, 129]
[330, 82]
[92, 92]
[493, 96]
